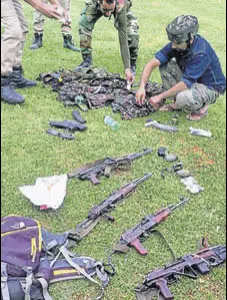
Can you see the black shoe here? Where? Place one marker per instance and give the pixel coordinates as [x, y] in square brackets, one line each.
[86, 63]
[38, 41]
[8, 94]
[68, 43]
[77, 117]
[18, 81]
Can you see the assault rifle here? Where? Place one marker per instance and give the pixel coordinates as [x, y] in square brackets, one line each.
[190, 265]
[94, 170]
[104, 207]
[133, 236]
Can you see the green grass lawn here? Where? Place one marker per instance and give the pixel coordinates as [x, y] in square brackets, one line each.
[28, 152]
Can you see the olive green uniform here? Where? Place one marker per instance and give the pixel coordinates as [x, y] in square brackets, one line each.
[124, 21]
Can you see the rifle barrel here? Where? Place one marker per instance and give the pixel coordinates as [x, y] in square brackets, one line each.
[181, 203]
[134, 156]
[142, 179]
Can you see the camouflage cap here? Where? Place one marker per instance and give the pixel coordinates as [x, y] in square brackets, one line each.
[181, 28]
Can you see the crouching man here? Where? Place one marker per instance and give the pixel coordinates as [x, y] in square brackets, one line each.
[189, 68]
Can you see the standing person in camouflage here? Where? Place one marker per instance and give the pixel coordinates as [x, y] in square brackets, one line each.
[124, 21]
[38, 26]
[12, 44]
[190, 71]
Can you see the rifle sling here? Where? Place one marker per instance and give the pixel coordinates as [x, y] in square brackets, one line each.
[164, 239]
[75, 235]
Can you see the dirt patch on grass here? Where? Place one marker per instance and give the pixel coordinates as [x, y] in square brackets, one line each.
[201, 158]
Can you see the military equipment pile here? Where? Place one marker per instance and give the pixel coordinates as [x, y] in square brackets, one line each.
[95, 88]
[88, 89]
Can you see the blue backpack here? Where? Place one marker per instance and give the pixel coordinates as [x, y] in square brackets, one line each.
[31, 260]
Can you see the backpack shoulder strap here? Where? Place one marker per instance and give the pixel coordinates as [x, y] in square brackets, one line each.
[44, 285]
[4, 283]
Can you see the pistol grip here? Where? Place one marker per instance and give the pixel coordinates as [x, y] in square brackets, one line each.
[94, 179]
[164, 289]
[139, 247]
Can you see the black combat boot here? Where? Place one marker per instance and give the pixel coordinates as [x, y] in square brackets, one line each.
[86, 63]
[68, 43]
[8, 94]
[133, 66]
[18, 81]
[38, 41]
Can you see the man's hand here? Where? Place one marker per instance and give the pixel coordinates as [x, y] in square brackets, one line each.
[129, 76]
[51, 11]
[156, 101]
[140, 95]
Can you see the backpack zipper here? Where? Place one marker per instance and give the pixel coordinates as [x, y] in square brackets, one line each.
[33, 249]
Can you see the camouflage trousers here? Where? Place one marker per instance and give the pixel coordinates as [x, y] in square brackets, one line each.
[39, 19]
[192, 99]
[90, 15]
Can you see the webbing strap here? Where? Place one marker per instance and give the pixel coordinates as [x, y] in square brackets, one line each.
[65, 253]
[102, 275]
[28, 284]
[4, 284]
[44, 284]
[5, 290]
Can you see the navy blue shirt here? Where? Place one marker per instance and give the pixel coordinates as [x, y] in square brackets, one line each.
[199, 64]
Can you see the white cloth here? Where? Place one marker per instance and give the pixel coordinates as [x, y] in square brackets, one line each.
[192, 185]
[47, 192]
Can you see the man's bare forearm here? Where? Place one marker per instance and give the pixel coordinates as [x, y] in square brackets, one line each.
[147, 71]
[179, 87]
[51, 11]
[37, 3]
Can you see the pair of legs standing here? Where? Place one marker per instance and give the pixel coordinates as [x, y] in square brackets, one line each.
[12, 45]
[38, 27]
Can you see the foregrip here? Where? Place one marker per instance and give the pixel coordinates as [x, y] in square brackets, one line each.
[139, 247]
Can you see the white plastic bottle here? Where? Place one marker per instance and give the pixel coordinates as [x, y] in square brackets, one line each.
[200, 132]
[108, 120]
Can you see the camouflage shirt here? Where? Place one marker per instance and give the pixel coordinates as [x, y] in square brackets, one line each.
[120, 23]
